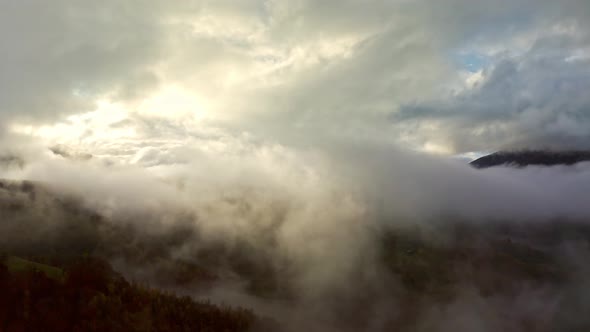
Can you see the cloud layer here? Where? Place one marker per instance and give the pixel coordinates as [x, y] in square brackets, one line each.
[294, 73]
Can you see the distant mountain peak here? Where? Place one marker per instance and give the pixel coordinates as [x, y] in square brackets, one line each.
[531, 157]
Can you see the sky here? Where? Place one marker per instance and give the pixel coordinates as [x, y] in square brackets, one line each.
[370, 99]
[364, 104]
[451, 77]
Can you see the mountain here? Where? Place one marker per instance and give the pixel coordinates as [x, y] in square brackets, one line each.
[64, 266]
[531, 157]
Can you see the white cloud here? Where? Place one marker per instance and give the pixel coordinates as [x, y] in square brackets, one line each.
[151, 85]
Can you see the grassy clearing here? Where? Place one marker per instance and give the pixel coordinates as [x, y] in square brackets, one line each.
[17, 264]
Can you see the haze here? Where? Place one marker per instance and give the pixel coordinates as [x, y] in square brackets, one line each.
[302, 127]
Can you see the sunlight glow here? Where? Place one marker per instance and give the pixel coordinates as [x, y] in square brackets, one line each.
[172, 102]
[107, 121]
[97, 125]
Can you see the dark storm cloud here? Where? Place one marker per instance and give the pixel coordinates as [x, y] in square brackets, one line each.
[535, 100]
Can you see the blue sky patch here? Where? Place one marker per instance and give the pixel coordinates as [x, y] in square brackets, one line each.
[471, 61]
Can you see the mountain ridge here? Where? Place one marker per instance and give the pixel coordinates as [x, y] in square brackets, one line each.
[526, 158]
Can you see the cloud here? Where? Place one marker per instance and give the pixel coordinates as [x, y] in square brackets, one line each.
[296, 72]
[534, 100]
[527, 94]
[314, 217]
[299, 102]
[59, 57]
[288, 127]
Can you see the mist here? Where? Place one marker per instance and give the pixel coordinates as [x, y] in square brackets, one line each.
[305, 159]
[310, 224]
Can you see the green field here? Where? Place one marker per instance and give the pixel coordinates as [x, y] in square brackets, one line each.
[17, 264]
